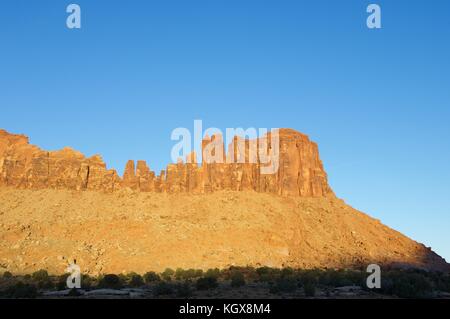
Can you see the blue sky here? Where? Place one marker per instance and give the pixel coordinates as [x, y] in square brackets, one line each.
[376, 101]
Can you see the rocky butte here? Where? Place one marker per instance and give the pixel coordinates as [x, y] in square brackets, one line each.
[59, 206]
[301, 171]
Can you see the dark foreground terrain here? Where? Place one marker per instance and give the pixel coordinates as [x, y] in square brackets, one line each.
[233, 283]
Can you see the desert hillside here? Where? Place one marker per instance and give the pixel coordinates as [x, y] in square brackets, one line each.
[135, 231]
[59, 206]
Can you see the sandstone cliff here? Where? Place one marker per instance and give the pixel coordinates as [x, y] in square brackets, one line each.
[300, 172]
[62, 206]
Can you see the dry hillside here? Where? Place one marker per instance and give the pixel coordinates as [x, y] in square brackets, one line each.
[56, 207]
[134, 231]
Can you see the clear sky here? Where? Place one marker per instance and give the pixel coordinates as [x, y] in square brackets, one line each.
[376, 101]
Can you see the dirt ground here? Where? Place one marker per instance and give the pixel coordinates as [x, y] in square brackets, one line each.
[140, 232]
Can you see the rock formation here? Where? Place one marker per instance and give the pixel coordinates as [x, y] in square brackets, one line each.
[300, 172]
[26, 166]
[145, 222]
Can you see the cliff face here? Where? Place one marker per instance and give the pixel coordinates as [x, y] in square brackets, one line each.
[160, 225]
[26, 166]
[300, 172]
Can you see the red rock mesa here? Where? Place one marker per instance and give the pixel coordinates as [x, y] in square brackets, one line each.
[48, 214]
[300, 172]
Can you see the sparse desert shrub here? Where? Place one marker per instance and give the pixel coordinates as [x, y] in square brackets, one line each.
[179, 274]
[163, 289]
[61, 283]
[263, 271]
[212, 273]
[406, 284]
[357, 278]
[21, 291]
[287, 272]
[46, 284]
[206, 283]
[40, 275]
[237, 279]
[266, 274]
[309, 276]
[439, 280]
[151, 277]
[184, 290]
[130, 275]
[124, 278]
[7, 275]
[191, 274]
[110, 282]
[252, 274]
[387, 285]
[329, 277]
[310, 289]
[87, 281]
[339, 278]
[412, 286]
[443, 283]
[136, 281]
[249, 273]
[168, 273]
[284, 285]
